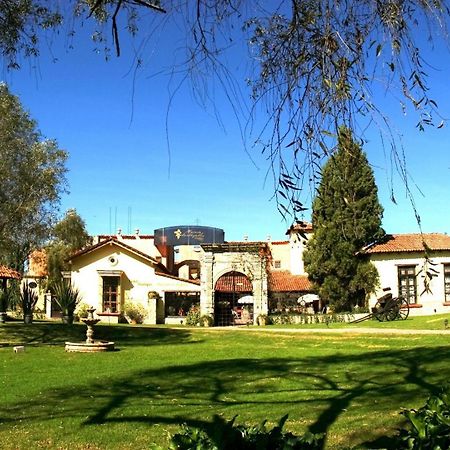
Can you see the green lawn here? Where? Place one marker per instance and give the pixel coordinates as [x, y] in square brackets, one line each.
[351, 387]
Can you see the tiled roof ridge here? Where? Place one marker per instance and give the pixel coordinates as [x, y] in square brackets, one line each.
[111, 240]
[7, 272]
[196, 282]
[286, 281]
[126, 236]
[410, 242]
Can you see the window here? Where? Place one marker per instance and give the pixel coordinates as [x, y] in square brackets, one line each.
[447, 283]
[179, 303]
[407, 283]
[111, 294]
[277, 264]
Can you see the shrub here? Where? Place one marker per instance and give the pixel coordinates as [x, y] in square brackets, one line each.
[66, 296]
[135, 312]
[223, 435]
[206, 321]
[28, 299]
[193, 316]
[429, 426]
[81, 310]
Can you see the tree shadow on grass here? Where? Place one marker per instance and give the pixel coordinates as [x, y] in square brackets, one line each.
[319, 390]
[44, 333]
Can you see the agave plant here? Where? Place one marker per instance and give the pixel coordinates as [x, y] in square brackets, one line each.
[67, 297]
[28, 298]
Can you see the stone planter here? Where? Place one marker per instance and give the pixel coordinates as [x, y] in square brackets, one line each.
[206, 321]
[28, 318]
[262, 321]
[67, 319]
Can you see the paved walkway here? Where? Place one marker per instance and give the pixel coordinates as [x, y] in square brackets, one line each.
[336, 330]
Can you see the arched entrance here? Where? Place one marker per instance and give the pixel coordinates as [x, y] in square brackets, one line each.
[233, 301]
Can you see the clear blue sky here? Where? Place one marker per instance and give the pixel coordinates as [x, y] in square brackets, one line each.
[120, 171]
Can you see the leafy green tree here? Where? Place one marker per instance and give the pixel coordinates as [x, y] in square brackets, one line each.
[346, 217]
[313, 64]
[70, 234]
[32, 178]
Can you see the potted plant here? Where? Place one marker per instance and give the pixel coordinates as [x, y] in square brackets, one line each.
[67, 297]
[263, 320]
[135, 312]
[28, 298]
[206, 321]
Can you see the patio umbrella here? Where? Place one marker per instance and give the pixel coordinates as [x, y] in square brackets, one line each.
[247, 299]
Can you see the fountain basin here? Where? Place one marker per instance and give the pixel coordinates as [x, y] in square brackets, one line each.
[89, 347]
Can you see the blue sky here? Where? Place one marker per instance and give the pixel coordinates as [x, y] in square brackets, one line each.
[122, 174]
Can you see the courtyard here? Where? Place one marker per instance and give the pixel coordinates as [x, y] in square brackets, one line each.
[349, 385]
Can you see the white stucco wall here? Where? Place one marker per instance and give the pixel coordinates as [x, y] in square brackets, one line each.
[281, 251]
[297, 247]
[430, 302]
[137, 274]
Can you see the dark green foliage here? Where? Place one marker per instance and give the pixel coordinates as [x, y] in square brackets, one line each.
[28, 298]
[193, 316]
[346, 217]
[69, 235]
[4, 300]
[66, 296]
[223, 435]
[32, 177]
[429, 426]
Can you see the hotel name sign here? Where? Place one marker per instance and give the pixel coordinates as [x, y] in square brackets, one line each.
[189, 235]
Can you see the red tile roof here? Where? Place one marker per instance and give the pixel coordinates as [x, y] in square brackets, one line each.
[119, 243]
[413, 242]
[104, 237]
[6, 272]
[279, 281]
[279, 242]
[285, 281]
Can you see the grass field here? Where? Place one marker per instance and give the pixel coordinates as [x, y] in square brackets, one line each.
[350, 386]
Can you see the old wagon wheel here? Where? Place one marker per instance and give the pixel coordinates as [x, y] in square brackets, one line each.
[403, 312]
[380, 311]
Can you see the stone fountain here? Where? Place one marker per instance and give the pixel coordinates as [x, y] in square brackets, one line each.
[90, 345]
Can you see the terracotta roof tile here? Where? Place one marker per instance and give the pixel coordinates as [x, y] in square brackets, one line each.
[285, 281]
[37, 263]
[6, 272]
[117, 242]
[413, 242]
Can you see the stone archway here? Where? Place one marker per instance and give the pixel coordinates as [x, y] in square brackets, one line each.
[246, 258]
[229, 289]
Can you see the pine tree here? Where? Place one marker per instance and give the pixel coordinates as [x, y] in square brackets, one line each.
[346, 217]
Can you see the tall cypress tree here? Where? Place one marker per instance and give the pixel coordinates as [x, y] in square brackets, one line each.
[346, 217]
